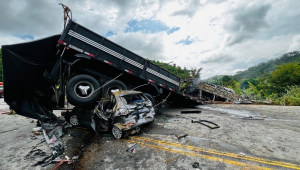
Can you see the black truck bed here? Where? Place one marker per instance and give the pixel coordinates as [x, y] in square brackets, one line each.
[85, 41]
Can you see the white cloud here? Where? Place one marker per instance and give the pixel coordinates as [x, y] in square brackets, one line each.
[8, 39]
[147, 45]
[295, 46]
[227, 35]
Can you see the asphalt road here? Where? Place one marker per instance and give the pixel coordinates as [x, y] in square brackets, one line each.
[271, 143]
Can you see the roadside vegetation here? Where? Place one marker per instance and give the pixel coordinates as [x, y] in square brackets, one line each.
[183, 73]
[277, 80]
[291, 98]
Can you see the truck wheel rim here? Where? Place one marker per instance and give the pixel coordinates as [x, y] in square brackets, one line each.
[117, 132]
[74, 120]
[83, 89]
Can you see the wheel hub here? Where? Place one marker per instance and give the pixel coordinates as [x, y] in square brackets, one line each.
[83, 89]
[74, 120]
[117, 132]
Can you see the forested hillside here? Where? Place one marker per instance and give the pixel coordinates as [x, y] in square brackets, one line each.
[277, 80]
[269, 66]
[214, 79]
[260, 69]
[183, 73]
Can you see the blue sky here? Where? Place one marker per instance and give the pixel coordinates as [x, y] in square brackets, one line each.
[186, 41]
[25, 37]
[109, 33]
[146, 26]
[149, 26]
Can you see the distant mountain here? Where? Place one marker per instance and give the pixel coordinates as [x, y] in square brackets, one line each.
[260, 69]
[214, 79]
[269, 66]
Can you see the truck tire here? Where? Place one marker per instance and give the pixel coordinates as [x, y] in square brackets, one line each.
[80, 90]
[115, 84]
[149, 96]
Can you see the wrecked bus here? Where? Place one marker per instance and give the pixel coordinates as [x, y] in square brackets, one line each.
[82, 67]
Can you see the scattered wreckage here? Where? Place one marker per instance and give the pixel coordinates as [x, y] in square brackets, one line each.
[209, 91]
[207, 123]
[94, 75]
[84, 68]
[205, 91]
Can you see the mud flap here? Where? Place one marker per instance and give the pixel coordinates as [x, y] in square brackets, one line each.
[27, 91]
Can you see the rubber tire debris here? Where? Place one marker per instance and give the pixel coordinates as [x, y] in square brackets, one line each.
[190, 111]
[196, 165]
[252, 118]
[206, 121]
[179, 137]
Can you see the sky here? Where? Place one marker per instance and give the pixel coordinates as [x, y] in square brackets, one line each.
[221, 36]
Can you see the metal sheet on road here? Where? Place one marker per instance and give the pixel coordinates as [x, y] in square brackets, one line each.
[196, 152]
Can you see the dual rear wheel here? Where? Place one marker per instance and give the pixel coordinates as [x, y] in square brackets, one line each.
[82, 90]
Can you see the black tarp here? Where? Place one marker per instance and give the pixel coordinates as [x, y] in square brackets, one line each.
[26, 89]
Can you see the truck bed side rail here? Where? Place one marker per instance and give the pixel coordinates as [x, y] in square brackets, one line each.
[85, 41]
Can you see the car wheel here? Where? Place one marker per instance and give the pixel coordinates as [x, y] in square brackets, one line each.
[81, 90]
[72, 119]
[2, 95]
[149, 96]
[113, 85]
[118, 133]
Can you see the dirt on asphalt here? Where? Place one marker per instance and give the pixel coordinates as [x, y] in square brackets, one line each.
[273, 142]
[275, 138]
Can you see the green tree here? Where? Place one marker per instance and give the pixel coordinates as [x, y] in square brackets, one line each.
[226, 79]
[245, 84]
[195, 73]
[285, 75]
[181, 72]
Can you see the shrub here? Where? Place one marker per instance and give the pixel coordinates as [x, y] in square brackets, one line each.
[291, 98]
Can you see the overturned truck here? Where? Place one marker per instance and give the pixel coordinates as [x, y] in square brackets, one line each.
[82, 67]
